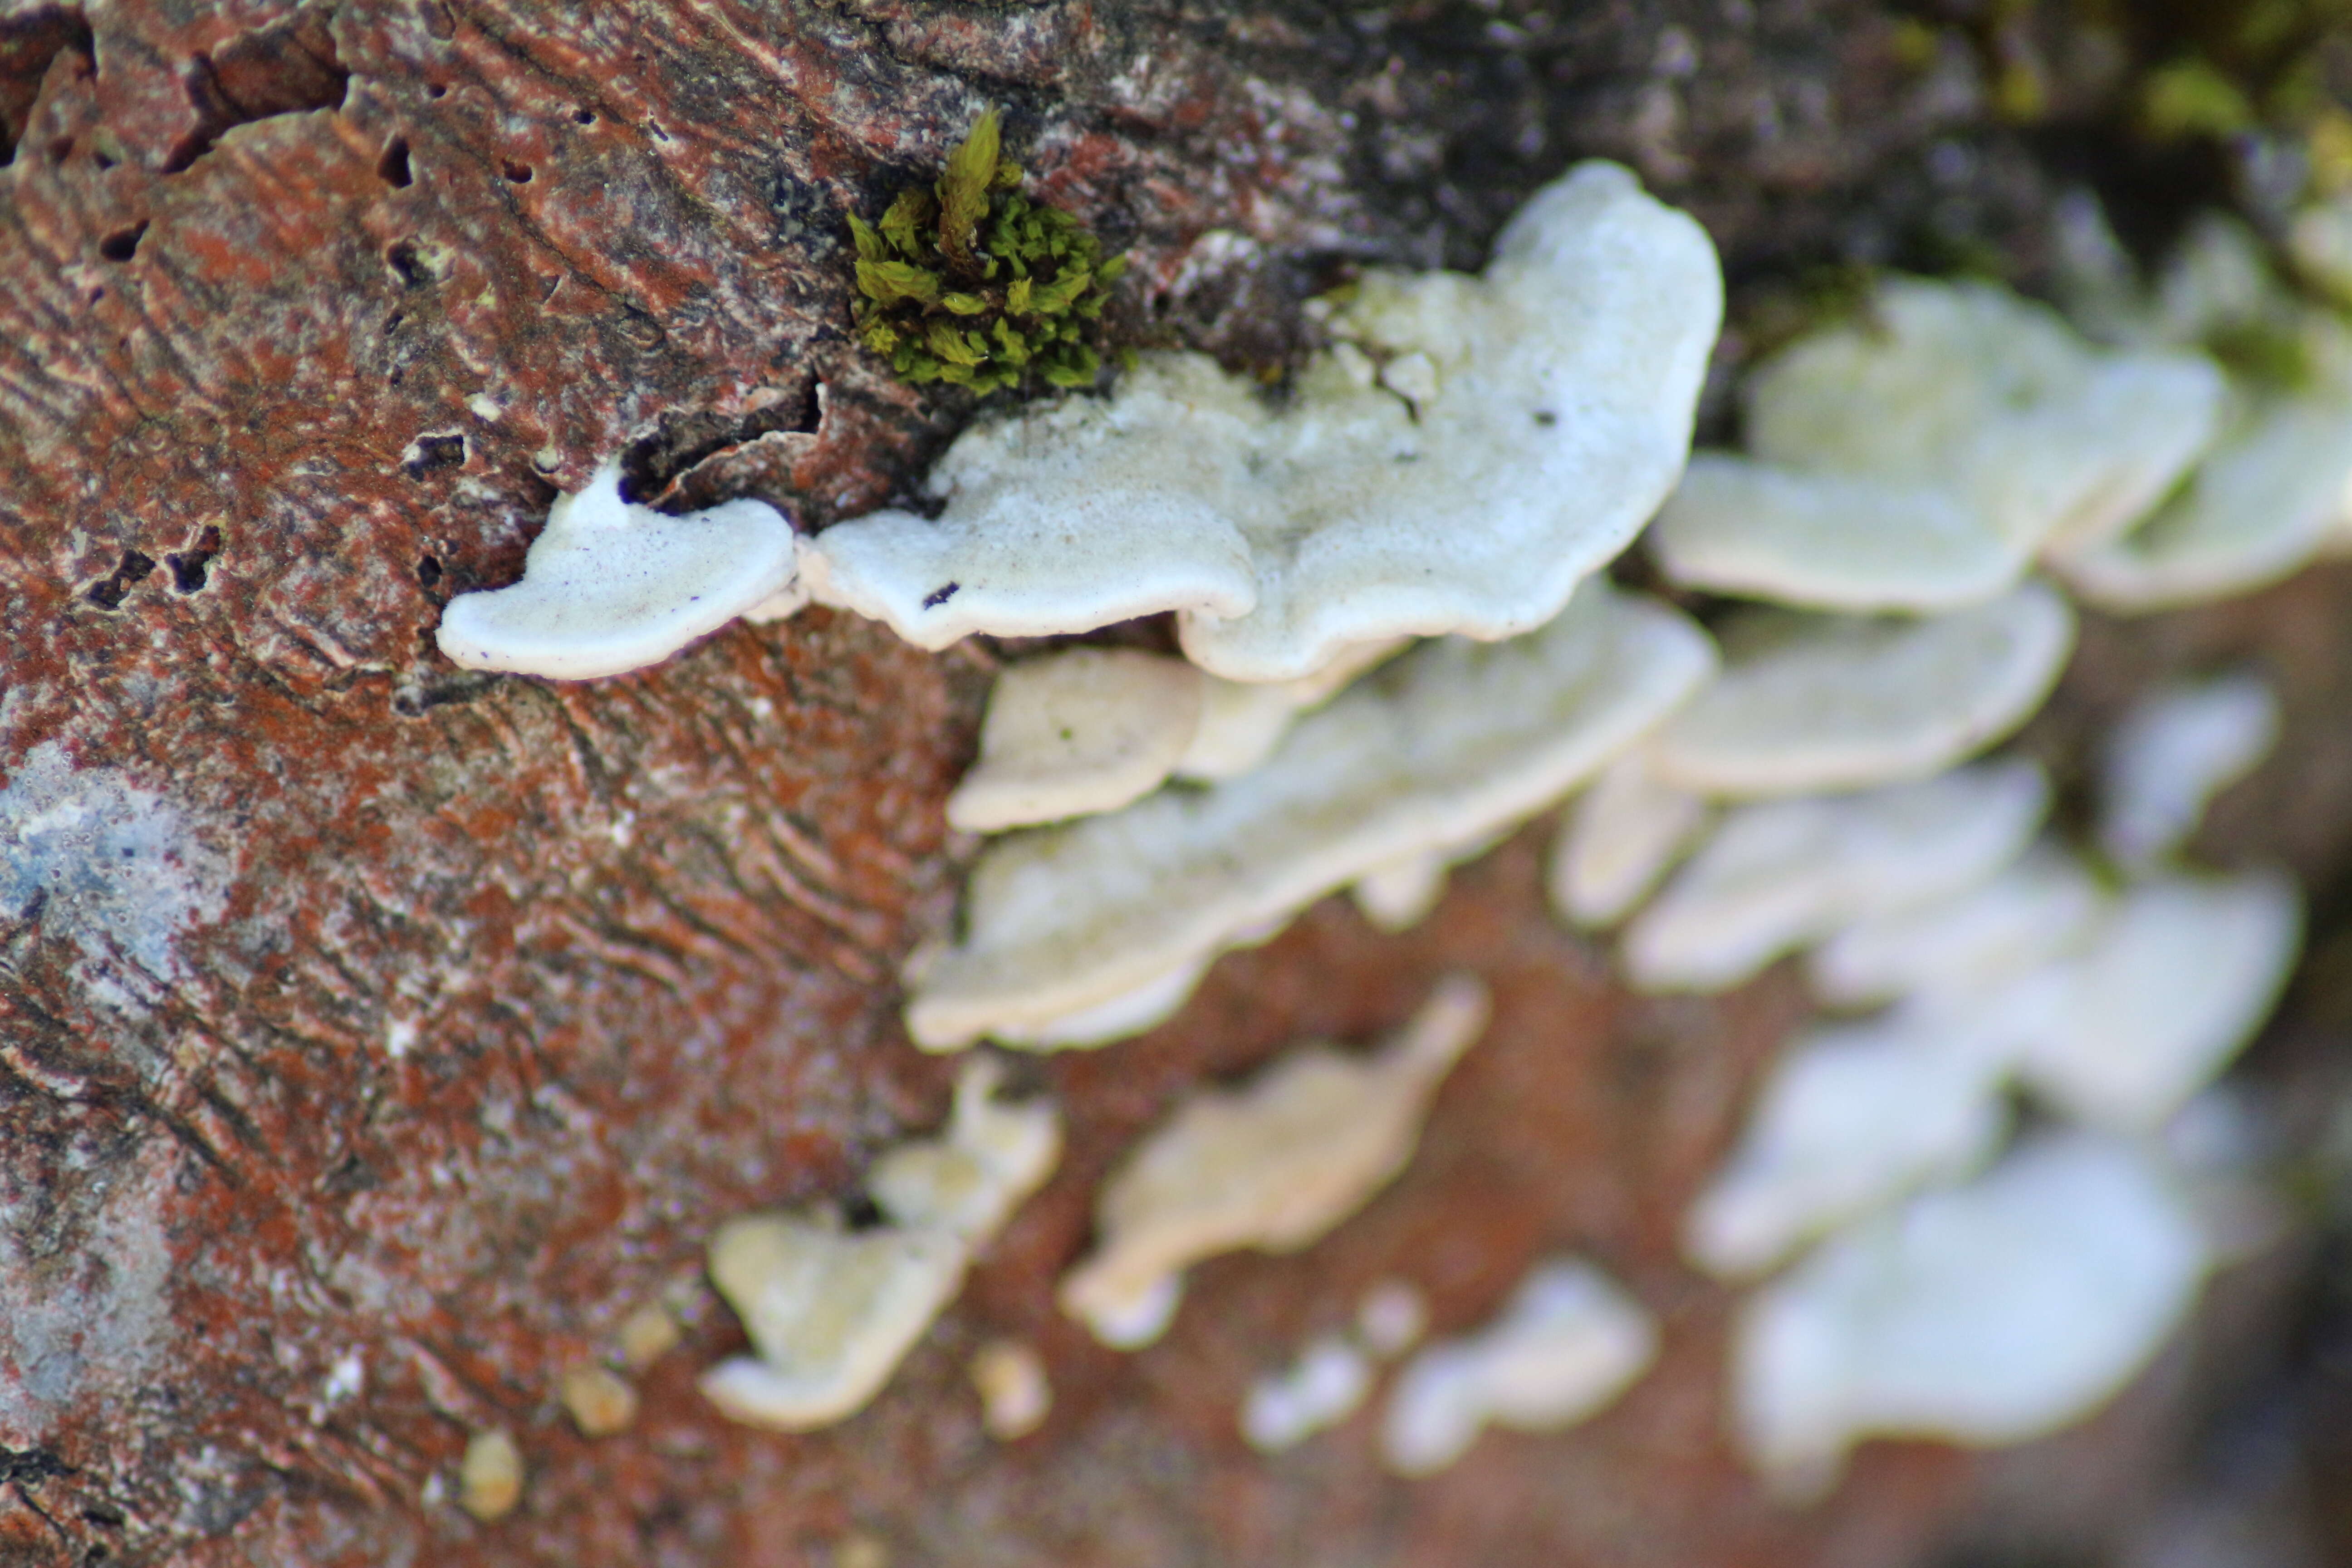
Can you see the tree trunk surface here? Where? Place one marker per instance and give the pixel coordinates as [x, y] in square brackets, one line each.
[377, 1037]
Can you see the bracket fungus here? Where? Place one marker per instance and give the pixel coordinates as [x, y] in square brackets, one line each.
[2174, 752]
[1550, 411]
[610, 586]
[1920, 457]
[2042, 908]
[1568, 1343]
[1436, 751]
[1616, 840]
[1780, 874]
[831, 1311]
[1848, 1120]
[1990, 1313]
[1812, 703]
[2173, 985]
[1320, 1390]
[1079, 731]
[1274, 1165]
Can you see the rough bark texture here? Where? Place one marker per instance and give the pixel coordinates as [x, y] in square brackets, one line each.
[377, 1037]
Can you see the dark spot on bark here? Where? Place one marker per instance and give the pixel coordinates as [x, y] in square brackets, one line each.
[808, 410]
[18, 1465]
[124, 243]
[109, 592]
[190, 566]
[584, 117]
[408, 265]
[640, 331]
[102, 160]
[415, 700]
[29, 44]
[429, 570]
[938, 597]
[435, 90]
[393, 167]
[436, 452]
[862, 1213]
[354, 1174]
[517, 174]
[287, 67]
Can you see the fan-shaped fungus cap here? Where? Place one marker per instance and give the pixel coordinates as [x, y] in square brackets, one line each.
[1545, 411]
[1999, 1311]
[1781, 874]
[831, 1313]
[2174, 752]
[2042, 908]
[1568, 1343]
[1272, 1165]
[1445, 747]
[1616, 841]
[610, 586]
[1076, 732]
[1812, 703]
[1849, 1119]
[2174, 985]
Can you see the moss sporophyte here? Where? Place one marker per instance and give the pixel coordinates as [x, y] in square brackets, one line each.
[971, 283]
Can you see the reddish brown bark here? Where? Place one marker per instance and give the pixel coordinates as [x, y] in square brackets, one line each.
[377, 1037]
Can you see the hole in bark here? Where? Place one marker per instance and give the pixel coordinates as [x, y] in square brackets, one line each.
[651, 464]
[862, 1213]
[108, 592]
[124, 243]
[408, 265]
[435, 90]
[808, 411]
[415, 701]
[584, 117]
[287, 68]
[190, 566]
[393, 167]
[431, 452]
[29, 44]
[429, 570]
[101, 1514]
[518, 174]
[104, 160]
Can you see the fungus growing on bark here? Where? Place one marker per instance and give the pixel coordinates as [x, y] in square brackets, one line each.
[1449, 745]
[1920, 457]
[1997, 1312]
[1616, 841]
[1848, 1120]
[2042, 908]
[2174, 752]
[1781, 874]
[1568, 1344]
[831, 1311]
[1319, 1391]
[1811, 703]
[1274, 1165]
[1553, 415]
[610, 586]
[1078, 732]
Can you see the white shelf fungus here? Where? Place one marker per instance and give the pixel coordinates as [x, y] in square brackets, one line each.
[1812, 703]
[1567, 1345]
[2174, 752]
[1400, 895]
[1451, 743]
[1849, 1119]
[1078, 732]
[1994, 1313]
[610, 586]
[1616, 841]
[1274, 1166]
[1530, 422]
[2258, 509]
[1322, 1389]
[830, 1311]
[1241, 723]
[2041, 908]
[2176, 984]
[1015, 1396]
[1781, 874]
[1920, 457]
[1393, 1315]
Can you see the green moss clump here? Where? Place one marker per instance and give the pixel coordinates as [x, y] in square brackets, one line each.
[971, 283]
